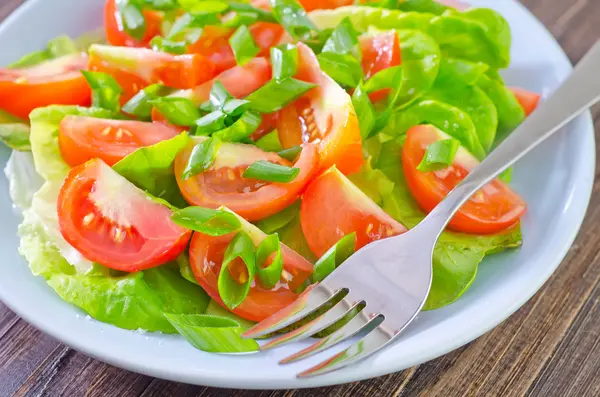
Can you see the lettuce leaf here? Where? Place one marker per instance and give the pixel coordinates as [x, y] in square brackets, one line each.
[457, 255]
[510, 112]
[363, 17]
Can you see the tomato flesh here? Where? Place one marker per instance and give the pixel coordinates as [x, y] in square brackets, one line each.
[528, 100]
[112, 222]
[323, 116]
[116, 35]
[310, 5]
[494, 208]
[206, 256]
[83, 138]
[224, 185]
[379, 52]
[333, 207]
[55, 82]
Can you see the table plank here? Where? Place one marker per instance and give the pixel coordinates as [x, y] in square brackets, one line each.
[549, 347]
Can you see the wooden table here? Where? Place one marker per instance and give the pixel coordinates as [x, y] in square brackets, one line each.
[550, 347]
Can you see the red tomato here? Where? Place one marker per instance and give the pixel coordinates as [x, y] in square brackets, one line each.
[135, 68]
[55, 82]
[379, 52]
[324, 116]
[528, 100]
[206, 256]
[115, 34]
[214, 43]
[112, 222]
[494, 208]
[310, 5]
[223, 184]
[83, 138]
[333, 207]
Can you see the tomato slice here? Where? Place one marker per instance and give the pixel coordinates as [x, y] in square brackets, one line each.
[324, 116]
[223, 184]
[58, 81]
[116, 35]
[332, 207]
[135, 68]
[214, 43]
[494, 208]
[379, 51]
[206, 256]
[112, 222]
[528, 100]
[83, 138]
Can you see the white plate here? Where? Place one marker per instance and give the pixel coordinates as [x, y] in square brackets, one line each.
[555, 179]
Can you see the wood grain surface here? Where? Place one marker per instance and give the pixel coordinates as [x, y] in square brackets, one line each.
[550, 347]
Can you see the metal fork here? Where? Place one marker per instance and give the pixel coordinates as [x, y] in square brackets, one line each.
[388, 280]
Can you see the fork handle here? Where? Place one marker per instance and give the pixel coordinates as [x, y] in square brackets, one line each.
[580, 91]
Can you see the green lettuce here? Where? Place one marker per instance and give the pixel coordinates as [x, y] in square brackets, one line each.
[510, 112]
[430, 6]
[14, 132]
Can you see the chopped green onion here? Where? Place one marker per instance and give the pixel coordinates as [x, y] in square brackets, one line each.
[269, 276]
[364, 111]
[292, 16]
[261, 15]
[235, 107]
[243, 45]
[343, 39]
[505, 176]
[177, 110]
[439, 155]
[212, 333]
[271, 172]
[158, 5]
[207, 221]
[31, 59]
[202, 157]
[276, 94]
[241, 129]
[159, 43]
[386, 78]
[219, 95]
[269, 142]
[290, 153]
[106, 92]
[210, 123]
[334, 257]
[207, 7]
[140, 106]
[343, 68]
[182, 29]
[233, 292]
[284, 59]
[15, 136]
[132, 19]
[275, 222]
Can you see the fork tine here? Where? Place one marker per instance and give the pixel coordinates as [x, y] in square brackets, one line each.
[373, 341]
[358, 323]
[310, 300]
[323, 321]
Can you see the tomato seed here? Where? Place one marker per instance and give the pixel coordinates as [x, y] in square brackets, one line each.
[88, 219]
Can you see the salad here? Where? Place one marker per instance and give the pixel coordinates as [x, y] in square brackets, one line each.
[204, 162]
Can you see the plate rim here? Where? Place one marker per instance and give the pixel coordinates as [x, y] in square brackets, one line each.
[340, 376]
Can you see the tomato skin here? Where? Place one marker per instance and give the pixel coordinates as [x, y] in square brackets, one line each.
[324, 116]
[142, 236]
[206, 256]
[379, 52]
[116, 36]
[223, 185]
[333, 207]
[310, 5]
[55, 82]
[494, 208]
[83, 138]
[528, 100]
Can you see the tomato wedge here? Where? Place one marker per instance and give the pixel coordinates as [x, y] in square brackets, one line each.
[83, 138]
[55, 82]
[223, 184]
[116, 35]
[112, 222]
[135, 68]
[214, 43]
[379, 52]
[494, 208]
[206, 256]
[528, 100]
[324, 116]
[333, 207]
